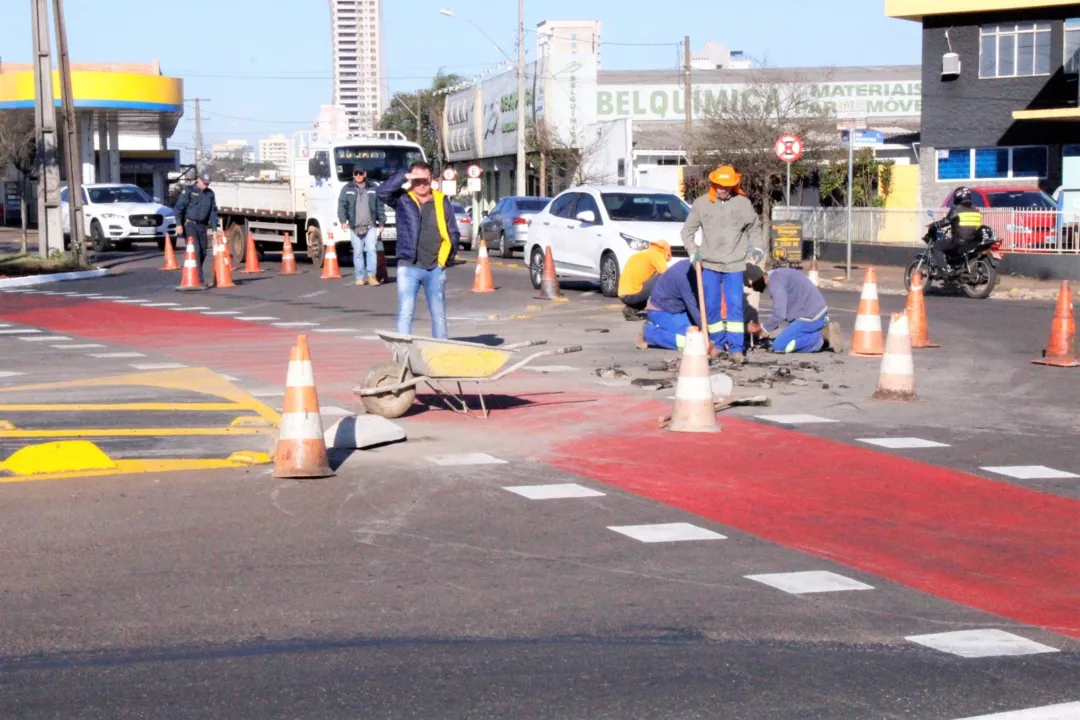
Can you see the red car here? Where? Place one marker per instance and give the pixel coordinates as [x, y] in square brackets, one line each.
[1023, 217]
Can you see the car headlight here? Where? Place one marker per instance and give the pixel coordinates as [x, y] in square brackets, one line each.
[170, 220]
[1018, 229]
[112, 216]
[635, 243]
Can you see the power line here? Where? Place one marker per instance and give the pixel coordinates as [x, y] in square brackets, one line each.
[605, 42]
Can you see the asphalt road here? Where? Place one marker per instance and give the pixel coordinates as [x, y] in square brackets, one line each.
[407, 588]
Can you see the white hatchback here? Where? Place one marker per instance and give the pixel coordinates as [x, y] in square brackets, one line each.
[593, 230]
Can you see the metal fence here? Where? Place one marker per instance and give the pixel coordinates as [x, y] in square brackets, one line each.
[1018, 230]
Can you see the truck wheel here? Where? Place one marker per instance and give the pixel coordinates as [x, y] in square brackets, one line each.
[315, 246]
[236, 242]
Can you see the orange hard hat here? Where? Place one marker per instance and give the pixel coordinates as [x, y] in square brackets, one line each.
[725, 176]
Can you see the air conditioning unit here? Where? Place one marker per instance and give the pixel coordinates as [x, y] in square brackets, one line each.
[950, 65]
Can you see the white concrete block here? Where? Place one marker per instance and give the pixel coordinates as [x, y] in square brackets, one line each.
[357, 432]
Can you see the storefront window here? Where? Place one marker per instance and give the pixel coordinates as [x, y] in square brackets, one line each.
[991, 163]
[1072, 45]
[996, 163]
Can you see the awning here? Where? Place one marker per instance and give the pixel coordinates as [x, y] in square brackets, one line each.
[1051, 114]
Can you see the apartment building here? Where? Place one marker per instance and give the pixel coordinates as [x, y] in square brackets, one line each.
[359, 83]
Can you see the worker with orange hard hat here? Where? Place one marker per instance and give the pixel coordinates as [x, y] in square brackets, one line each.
[725, 219]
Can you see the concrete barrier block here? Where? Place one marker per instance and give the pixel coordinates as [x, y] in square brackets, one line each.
[722, 385]
[356, 432]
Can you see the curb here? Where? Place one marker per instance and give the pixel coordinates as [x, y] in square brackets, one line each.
[1011, 294]
[52, 277]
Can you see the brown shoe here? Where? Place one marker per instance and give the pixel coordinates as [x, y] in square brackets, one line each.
[373, 281]
[639, 341]
[361, 281]
[739, 358]
[834, 337]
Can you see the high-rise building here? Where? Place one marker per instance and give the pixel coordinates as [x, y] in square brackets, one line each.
[568, 37]
[331, 122]
[231, 150]
[356, 30]
[275, 150]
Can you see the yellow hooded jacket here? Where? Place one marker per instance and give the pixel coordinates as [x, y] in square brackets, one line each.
[643, 265]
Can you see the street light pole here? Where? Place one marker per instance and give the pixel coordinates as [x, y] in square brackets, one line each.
[417, 114]
[522, 167]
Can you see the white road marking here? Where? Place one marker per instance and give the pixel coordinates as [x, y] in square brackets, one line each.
[82, 346]
[257, 319]
[466, 459]
[908, 443]
[1064, 711]
[588, 294]
[554, 492]
[666, 532]
[131, 302]
[368, 337]
[223, 312]
[317, 293]
[190, 309]
[19, 331]
[1031, 472]
[295, 324]
[549, 368]
[9, 373]
[336, 330]
[160, 366]
[981, 643]
[112, 297]
[116, 355]
[266, 393]
[160, 305]
[230, 378]
[794, 419]
[813, 581]
[45, 338]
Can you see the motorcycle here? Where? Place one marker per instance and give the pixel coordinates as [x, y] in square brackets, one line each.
[975, 271]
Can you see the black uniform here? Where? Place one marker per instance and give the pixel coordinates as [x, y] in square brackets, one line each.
[963, 221]
[196, 210]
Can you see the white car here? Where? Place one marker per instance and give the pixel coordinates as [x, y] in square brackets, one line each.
[119, 215]
[593, 230]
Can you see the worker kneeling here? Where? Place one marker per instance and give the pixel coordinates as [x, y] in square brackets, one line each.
[639, 276]
[672, 308]
[800, 319]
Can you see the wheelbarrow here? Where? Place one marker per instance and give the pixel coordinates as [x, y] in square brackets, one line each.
[389, 389]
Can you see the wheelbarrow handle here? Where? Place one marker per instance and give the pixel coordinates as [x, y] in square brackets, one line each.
[522, 345]
[535, 356]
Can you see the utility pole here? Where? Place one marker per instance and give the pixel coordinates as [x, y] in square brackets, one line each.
[522, 167]
[198, 132]
[50, 223]
[419, 122]
[71, 138]
[688, 90]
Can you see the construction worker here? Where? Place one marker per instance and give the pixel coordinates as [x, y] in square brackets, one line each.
[726, 219]
[671, 309]
[800, 319]
[963, 220]
[196, 212]
[639, 276]
[363, 217]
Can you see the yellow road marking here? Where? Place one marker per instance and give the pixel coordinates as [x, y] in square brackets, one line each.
[117, 407]
[131, 432]
[132, 467]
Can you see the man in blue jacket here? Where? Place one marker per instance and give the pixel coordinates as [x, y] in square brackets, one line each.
[800, 318]
[196, 212]
[427, 241]
[671, 309]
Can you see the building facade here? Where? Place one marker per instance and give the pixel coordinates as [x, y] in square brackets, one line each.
[999, 93]
[359, 84]
[237, 150]
[274, 150]
[568, 37]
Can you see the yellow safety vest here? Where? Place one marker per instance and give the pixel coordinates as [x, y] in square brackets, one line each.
[970, 219]
[440, 218]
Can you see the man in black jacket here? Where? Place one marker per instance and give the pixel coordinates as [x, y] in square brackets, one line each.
[361, 213]
[196, 211]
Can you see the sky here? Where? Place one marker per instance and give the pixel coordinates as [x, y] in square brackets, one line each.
[265, 64]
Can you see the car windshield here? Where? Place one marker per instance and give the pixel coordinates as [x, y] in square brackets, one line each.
[379, 162]
[531, 205]
[124, 194]
[458, 209]
[1033, 199]
[638, 207]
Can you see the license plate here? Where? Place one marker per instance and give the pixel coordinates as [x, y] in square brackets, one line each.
[147, 231]
[389, 233]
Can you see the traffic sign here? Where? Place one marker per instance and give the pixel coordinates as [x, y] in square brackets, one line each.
[449, 174]
[789, 148]
[434, 184]
[449, 187]
[864, 138]
[474, 171]
[474, 184]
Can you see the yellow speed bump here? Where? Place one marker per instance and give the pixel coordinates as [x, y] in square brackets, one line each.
[250, 457]
[250, 421]
[6, 425]
[58, 457]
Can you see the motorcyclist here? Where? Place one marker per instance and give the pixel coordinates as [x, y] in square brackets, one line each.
[963, 222]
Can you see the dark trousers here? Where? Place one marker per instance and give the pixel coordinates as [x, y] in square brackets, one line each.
[638, 300]
[203, 250]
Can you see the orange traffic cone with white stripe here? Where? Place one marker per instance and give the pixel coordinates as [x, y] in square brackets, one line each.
[223, 264]
[251, 256]
[812, 273]
[897, 379]
[549, 281]
[916, 312]
[330, 269]
[482, 282]
[189, 278]
[694, 411]
[868, 340]
[170, 256]
[288, 259]
[1061, 348]
[301, 449]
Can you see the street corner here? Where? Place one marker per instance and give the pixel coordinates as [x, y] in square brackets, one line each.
[189, 419]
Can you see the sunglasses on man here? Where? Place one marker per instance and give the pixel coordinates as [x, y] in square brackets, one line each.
[420, 181]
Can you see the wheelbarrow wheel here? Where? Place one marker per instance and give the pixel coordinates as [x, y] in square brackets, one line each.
[393, 403]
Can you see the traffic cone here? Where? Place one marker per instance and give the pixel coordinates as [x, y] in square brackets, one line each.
[693, 411]
[189, 279]
[288, 260]
[897, 379]
[812, 273]
[251, 256]
[223, 278]
[916, 312]
[170, 256]
[301, 449]
[1061, 348]
[868, 340]
[549, 281]
[482, 282]
[330, 269]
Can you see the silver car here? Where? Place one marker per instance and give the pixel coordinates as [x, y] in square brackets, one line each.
[506, 227]
[463, 215]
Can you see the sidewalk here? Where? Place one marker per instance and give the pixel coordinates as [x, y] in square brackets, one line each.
[890, 280]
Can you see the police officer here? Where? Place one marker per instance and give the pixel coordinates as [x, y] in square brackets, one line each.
[963, 221]
[196, 211]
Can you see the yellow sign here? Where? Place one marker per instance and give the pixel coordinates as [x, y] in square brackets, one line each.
[787, 242]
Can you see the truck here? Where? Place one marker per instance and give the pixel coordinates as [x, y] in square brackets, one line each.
[305, 205]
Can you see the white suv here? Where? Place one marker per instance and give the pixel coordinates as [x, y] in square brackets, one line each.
[118, 215]
[593, 230]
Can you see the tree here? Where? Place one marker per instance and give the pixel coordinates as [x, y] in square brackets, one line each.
[18, 147]
[428, 104]
[871, 181]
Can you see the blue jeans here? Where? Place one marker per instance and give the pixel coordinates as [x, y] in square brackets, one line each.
[731, 332]
[801, 336]
[666, 330]
[409, 281]
[364, 248]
